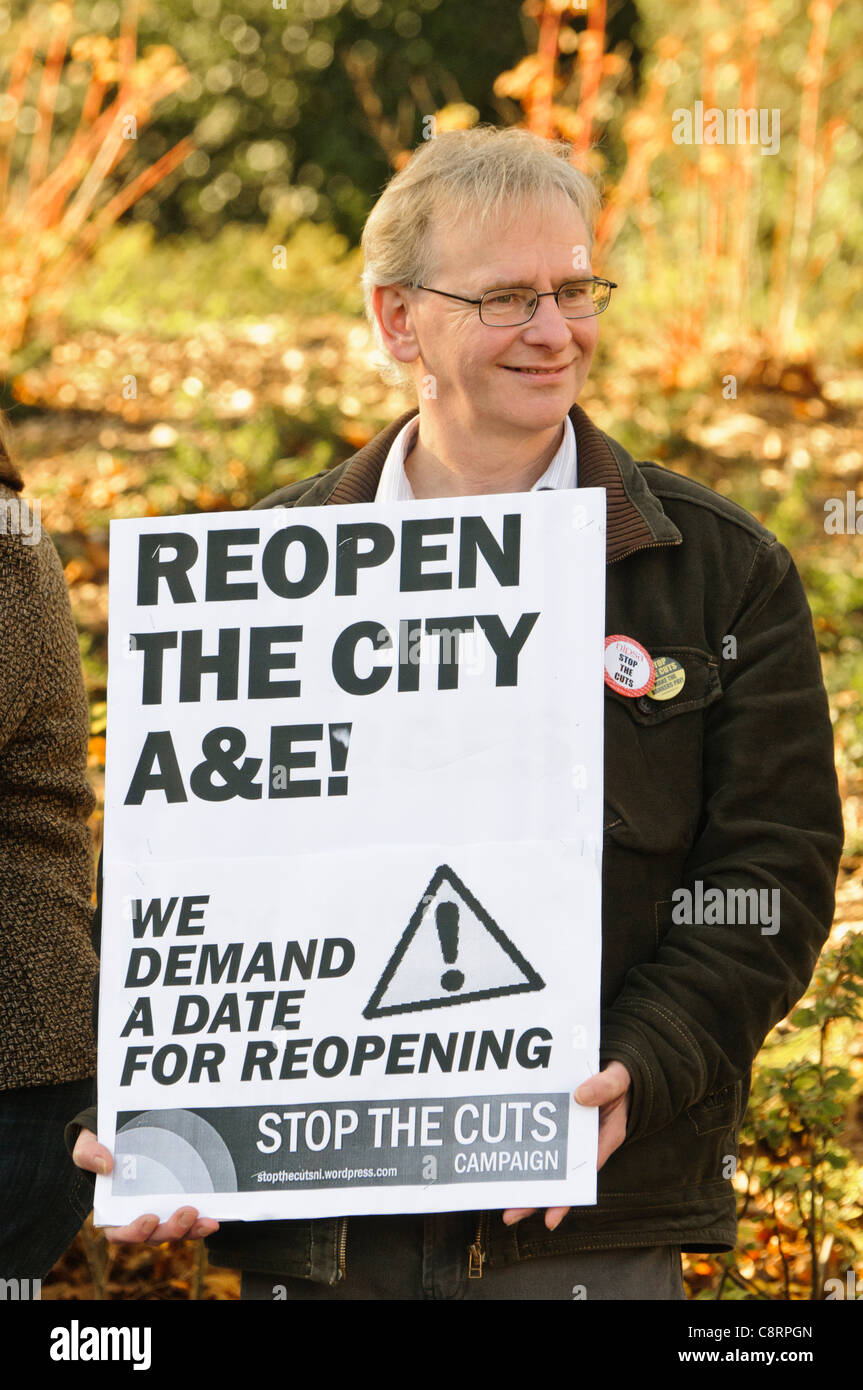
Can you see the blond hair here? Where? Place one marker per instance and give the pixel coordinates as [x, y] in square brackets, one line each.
[473, 176]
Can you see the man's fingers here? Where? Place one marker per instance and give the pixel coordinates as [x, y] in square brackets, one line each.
[206, 1227]
[610, 1139]
[136, 1232]
[596, 1091]
[554, 1216]
[515, 1214]
[177, 1227]
[605, 1086]
[90, 1155]
[148, 1230]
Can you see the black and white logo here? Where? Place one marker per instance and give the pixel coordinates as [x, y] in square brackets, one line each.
[451, 952]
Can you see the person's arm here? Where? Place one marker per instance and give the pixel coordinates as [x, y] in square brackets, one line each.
[692, 1020]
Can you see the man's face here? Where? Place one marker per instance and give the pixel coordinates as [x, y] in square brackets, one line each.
[478, 370]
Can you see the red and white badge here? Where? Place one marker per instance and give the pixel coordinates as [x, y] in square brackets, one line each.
[629, 669]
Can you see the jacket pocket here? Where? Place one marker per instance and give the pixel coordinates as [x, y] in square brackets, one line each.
[718, 1111]
[653, 756]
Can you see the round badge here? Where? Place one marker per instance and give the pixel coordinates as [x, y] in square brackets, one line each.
[670, 679]
[628, 667]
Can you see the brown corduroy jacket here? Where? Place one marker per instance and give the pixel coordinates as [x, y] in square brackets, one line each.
[46, 862]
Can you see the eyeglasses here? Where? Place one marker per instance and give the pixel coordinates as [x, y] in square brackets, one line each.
[578, 299]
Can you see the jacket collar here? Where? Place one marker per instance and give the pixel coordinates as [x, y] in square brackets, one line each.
[635, 517]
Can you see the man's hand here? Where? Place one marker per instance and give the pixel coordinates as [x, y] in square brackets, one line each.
[92, 1156]
[609, 1089]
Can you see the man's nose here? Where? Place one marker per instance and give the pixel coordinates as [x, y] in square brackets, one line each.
[548, 324]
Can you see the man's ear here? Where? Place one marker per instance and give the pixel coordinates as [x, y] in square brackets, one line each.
[393, 313]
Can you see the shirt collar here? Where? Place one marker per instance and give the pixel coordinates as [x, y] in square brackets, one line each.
[393, 486]
[635, 517]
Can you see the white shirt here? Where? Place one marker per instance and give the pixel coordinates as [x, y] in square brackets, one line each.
[394, 485]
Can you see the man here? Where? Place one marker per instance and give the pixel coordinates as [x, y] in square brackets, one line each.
[478, 282]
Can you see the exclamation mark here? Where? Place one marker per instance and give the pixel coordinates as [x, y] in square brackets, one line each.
[340, 737]
[446, 919]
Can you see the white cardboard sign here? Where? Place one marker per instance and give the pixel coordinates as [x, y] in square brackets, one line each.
[351, 907]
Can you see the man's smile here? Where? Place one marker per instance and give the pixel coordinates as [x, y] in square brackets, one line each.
[539, 371]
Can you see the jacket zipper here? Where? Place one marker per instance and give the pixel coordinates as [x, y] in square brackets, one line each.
[475, 1252]
[651, 545]
[341, 1246]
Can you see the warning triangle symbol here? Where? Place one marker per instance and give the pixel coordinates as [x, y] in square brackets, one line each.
[451, 952]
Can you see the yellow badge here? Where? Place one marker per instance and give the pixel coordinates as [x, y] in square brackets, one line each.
[670, 679]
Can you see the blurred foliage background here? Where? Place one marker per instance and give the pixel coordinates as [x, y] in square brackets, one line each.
[183, 184]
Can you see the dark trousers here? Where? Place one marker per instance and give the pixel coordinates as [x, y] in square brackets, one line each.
[43, 1197]
[426, 1258]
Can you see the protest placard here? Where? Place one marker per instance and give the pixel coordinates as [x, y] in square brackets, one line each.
[351, 906]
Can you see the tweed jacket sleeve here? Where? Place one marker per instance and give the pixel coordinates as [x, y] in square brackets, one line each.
[46, 865]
